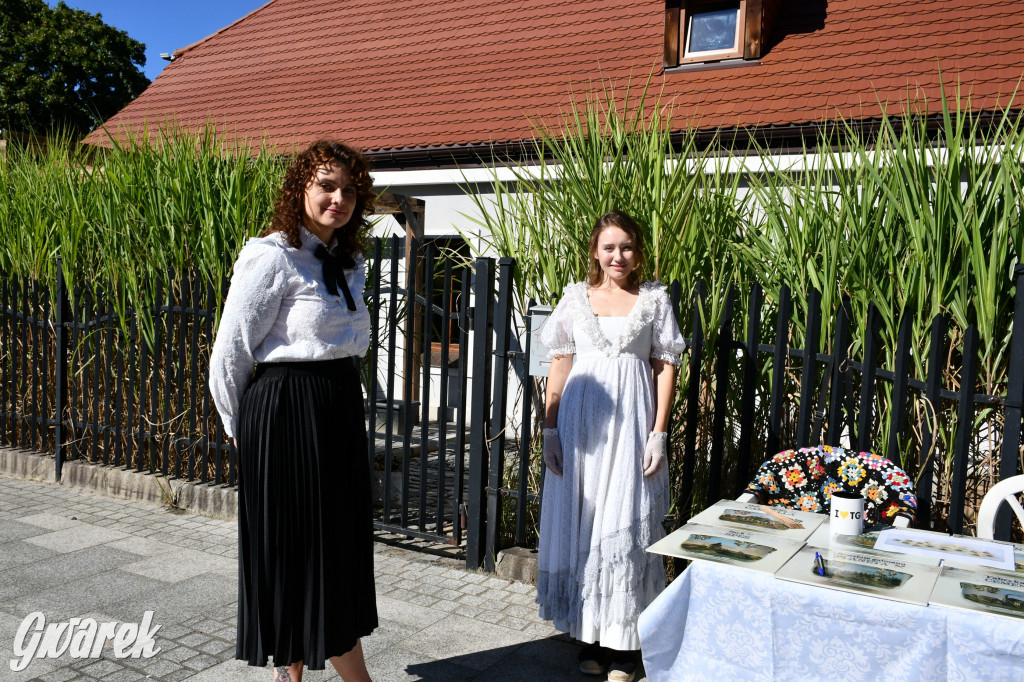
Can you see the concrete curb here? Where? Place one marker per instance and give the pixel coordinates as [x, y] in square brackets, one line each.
[209, 500]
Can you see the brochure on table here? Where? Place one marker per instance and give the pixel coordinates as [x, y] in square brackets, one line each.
[865, 543]
[993, 592]
[1018, 559]
[859, 572]
[962, 550]
[754, 518]
[756, 551]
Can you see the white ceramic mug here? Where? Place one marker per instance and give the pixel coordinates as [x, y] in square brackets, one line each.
[847, 513]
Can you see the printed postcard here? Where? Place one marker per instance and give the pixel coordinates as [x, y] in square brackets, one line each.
[993, 592]
[792, 525]
[950, 548]
[879, 576]
[734, 546]
[865, 542]
[1018, 558]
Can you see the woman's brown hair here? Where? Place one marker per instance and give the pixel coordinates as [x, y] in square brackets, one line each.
[625, 223]
[288, 209]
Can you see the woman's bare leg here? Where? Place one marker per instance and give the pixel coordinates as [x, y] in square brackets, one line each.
[292, 673]
[352, 666]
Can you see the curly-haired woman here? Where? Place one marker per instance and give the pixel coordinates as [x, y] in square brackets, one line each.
[284, 377]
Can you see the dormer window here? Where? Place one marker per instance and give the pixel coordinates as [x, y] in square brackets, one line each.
[716, 31]
[711, 31]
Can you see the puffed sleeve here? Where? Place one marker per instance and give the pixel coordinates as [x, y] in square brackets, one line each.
[254, 299]
[557, 331]
[667, 341]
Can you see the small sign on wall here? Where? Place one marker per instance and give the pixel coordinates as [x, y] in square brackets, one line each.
[540, 356]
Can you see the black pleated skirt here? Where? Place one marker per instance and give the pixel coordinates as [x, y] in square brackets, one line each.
[305, 525]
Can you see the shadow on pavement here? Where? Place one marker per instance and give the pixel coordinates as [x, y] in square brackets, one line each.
[553, 658]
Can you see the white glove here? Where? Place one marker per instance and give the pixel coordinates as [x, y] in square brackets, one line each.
[553, 451]
[656, 452]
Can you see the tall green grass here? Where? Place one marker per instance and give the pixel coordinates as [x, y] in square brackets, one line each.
[918, 216]
[125, 218]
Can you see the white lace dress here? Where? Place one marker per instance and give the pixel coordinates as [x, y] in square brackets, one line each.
[598, 517]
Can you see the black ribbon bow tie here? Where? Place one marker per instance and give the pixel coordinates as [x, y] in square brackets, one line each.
[334, 273]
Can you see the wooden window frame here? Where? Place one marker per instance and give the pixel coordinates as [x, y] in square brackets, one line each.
[686, 10]
[755, 22]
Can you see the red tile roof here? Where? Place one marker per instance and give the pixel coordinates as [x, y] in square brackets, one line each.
[406, 74]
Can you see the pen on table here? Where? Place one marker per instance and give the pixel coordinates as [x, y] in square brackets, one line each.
[819, 563]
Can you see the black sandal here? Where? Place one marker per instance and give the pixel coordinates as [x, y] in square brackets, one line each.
[593, 659]
[623, 665]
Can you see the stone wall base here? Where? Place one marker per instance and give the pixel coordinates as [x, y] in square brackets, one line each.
[210, 500]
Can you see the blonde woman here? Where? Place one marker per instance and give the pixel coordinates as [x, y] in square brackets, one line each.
[616, 345]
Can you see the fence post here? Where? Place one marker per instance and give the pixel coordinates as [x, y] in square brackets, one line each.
[749, 398]
[901, 381]
[840, 374]
[865, 418]
[722, 375]
[371, 358]
[684, 503]
[525, 431]
[412, 257]
[809, 371]
[964, 429]
[60, 438]
[932, 393]
[499, 380]
[1014, 402]
[779, 359]
[483, 312]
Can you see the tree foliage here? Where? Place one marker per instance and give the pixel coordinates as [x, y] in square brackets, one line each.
[63, 68]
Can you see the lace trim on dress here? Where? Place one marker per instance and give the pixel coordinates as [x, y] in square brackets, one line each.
[639, 317]
[567, 349]
[620, 578]
[671, 358]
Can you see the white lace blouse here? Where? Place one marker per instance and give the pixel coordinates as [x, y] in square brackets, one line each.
[278, 309]
[649, 331]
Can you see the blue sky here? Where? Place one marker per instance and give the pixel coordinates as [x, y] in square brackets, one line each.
[166, 26]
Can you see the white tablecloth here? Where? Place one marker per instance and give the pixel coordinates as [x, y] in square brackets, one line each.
[722, 623]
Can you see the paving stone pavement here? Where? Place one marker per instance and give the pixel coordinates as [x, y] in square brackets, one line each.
[71, 553]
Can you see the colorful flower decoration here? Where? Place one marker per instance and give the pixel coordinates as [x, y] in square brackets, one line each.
[767, 481]
[875, 492]
[784, 456]
[830, 486]
[874, 461]
[808, 502]
[887, 488]
[794, 478]
[852, 471]
[897, 479]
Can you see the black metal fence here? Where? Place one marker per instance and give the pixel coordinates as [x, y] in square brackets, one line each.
[131, 389]
[835, 398]
[128, 393]
[809, 397]
[451, 403]
[418, 457]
